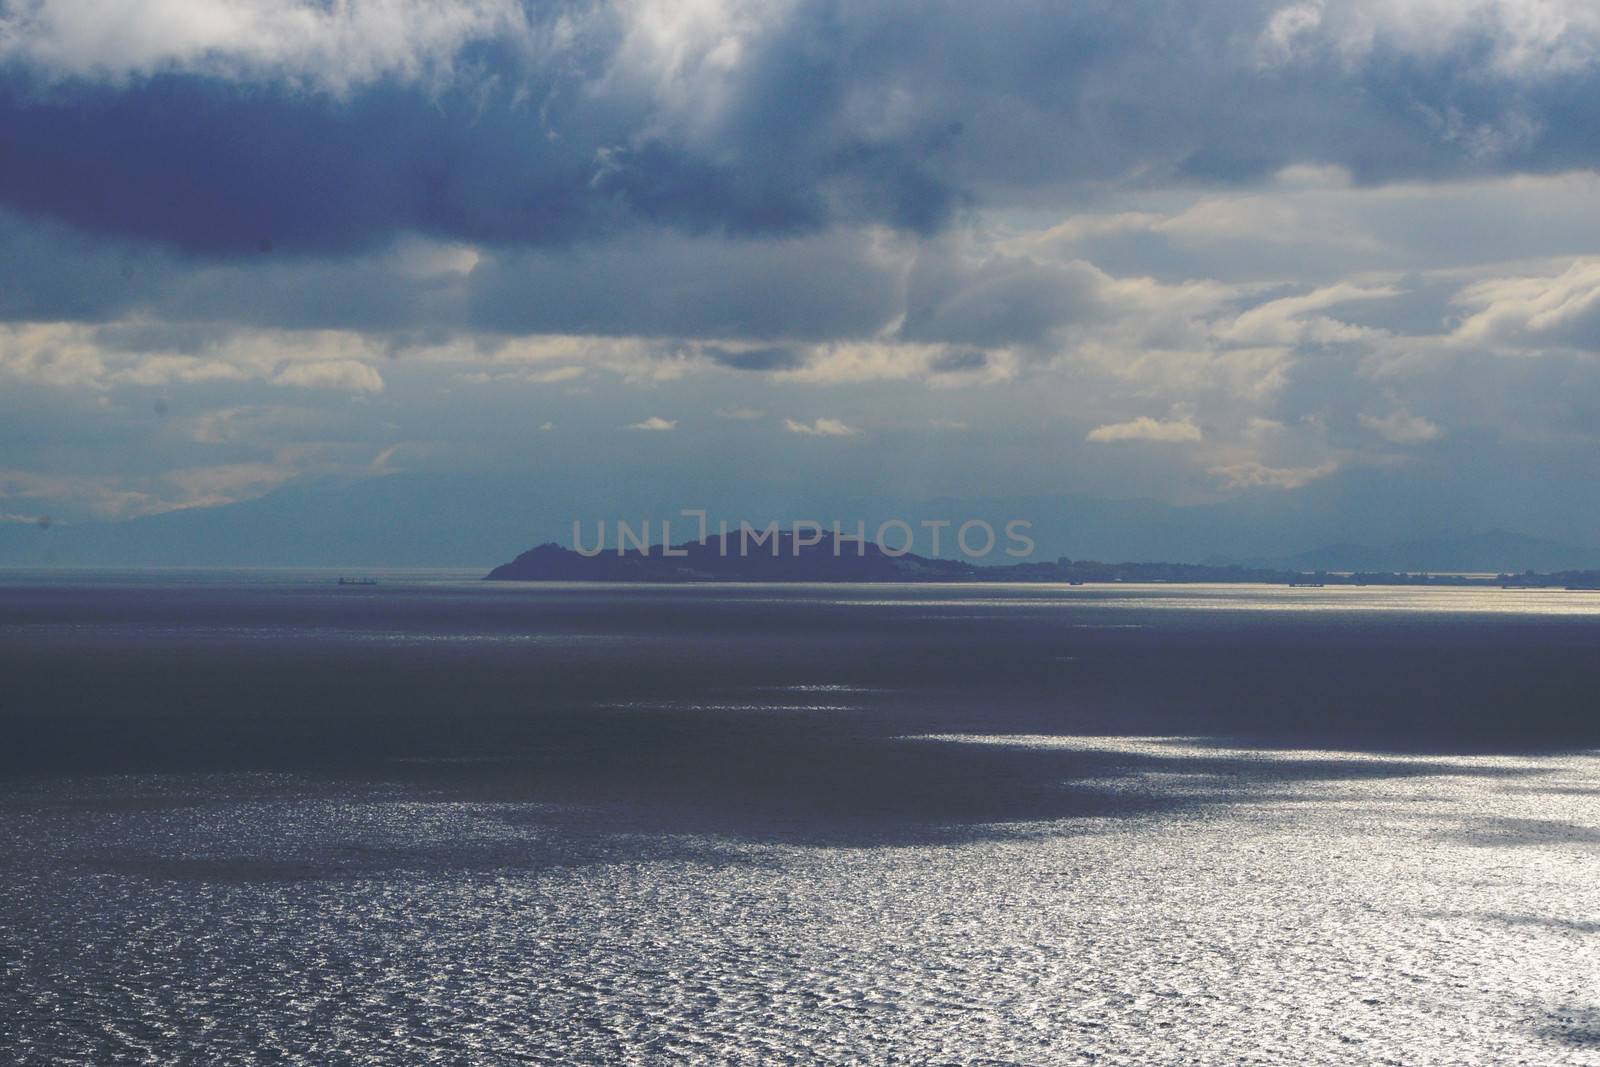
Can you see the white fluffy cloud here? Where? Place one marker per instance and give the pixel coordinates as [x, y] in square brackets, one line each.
[821, 427]
[1537, 37]
[329, 46]
[1254, 475]
[1531, 312]
[654, 424]
[1293, 320]
[99, 357]
[1144, 428]
[348, 374]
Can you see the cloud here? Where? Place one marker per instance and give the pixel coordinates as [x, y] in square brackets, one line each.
[333, 48]
[491, 121]
[1401, 427]
[1293, 223]
[821, 427]
[44, 522]
[101, 495]
[1286, 32]
[1253, 475]
[141, 354]
[1537, 39]
[52, 354]
[265, 426]
[877, 361]
[1315, 227]
[654, 424]
[1144, 428]
[749, 300]
[225, 484]
[165, 370]
[554, 375]
[970, 296]
[758, 359]
[1533, 312]
[347, 374]
[1291, 320]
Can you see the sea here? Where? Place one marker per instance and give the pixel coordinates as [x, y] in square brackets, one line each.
[263, 818]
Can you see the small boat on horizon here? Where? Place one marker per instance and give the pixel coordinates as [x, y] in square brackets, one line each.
[357, 581]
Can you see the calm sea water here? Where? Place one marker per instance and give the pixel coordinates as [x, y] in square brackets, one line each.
[259, 818]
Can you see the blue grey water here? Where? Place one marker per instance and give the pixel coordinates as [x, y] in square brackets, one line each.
[260, 818]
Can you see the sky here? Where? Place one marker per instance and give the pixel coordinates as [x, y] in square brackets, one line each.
[1330, 269]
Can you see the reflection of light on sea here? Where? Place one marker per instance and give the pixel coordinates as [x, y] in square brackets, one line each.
[1248, 598]
[710, 830]
[1384, 913]
[684, 705]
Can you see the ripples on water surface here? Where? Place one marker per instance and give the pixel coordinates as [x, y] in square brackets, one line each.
[250, 821]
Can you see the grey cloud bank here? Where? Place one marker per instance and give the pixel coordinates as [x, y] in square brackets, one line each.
[1202, 255]
[240, 123]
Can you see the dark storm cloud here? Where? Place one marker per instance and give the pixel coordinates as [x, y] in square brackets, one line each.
[53, 272]
[833, 112]
[219, 168]
[657, 283]
[759, 359]
[1064, 218]
[660, 284]
[521, 156]
[956, 362]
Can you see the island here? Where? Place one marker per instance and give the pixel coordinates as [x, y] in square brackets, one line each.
[719, 559]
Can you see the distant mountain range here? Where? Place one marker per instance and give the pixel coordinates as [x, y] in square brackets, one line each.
[417, 520]
[1487, 553]
[781, 559]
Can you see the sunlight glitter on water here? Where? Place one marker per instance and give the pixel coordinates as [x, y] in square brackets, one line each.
[1324, 921]
[1244, 598]
[746, 829]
